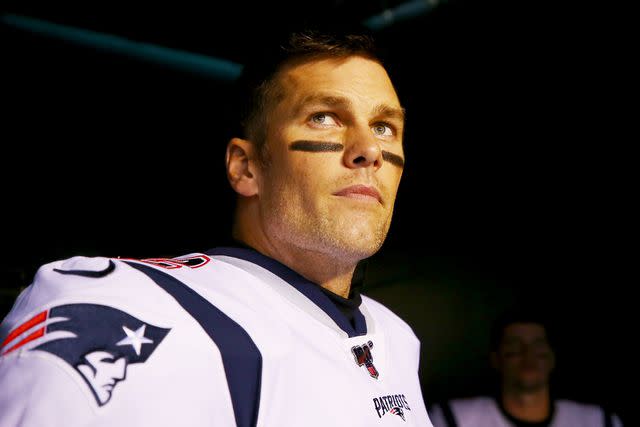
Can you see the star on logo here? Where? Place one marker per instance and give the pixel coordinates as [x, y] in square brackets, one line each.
[135, 339]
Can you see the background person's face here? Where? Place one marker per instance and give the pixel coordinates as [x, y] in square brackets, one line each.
[297, 189]
[524, 357]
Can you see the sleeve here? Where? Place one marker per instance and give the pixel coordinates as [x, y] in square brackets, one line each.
[67, 342]
[611, 419]
[35, 392]
[616, 421]
[441, 415]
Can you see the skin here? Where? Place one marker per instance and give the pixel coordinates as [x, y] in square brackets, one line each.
[288, 208]
[525, 361]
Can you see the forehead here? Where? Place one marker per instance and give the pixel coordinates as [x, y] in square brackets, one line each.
[362, 80]
[524, 332]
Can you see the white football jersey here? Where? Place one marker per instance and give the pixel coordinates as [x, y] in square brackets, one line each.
[485, 412]
[224, 338]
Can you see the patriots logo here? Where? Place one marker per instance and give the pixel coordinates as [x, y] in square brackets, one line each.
[98, 341]
[363, 356]
[196, 261]
[397, 411]
[395, 404]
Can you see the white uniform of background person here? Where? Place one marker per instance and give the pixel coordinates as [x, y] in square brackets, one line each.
[485, 412]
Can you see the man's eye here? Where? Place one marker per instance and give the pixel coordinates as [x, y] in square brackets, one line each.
[323, 119]
[382, 129]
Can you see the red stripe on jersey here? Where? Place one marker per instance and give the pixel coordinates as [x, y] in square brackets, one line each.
[31, 337]
[38, 318]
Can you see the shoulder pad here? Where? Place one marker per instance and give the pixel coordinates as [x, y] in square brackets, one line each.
[77, 279]
[87, 267]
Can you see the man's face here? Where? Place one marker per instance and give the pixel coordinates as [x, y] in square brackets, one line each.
[525, 358]
[334, 140]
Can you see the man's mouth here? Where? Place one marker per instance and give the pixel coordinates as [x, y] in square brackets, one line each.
[362, 192]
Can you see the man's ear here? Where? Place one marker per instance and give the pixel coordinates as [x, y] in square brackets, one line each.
[241, 164]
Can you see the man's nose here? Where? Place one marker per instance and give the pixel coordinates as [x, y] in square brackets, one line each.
[362, 149]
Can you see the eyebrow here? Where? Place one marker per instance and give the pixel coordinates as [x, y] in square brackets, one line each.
[391, 112]
[345, 103]
[320, 98]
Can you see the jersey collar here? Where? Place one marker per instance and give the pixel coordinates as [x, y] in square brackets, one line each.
[309, 289]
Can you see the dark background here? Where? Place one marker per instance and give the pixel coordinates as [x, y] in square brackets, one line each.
[514, 188]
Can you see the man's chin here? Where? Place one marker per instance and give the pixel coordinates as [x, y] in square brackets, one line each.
[362, 245]
[532, 386]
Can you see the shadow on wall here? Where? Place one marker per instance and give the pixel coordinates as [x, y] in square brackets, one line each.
[449, 308]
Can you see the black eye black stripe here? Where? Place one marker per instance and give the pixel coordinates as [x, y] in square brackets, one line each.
[316, 146]
[394, 159]
[324, 146]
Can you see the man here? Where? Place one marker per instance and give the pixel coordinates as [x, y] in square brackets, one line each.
[270, 332]
[522, 355]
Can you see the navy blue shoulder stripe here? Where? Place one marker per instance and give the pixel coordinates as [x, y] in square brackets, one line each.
[240, 355]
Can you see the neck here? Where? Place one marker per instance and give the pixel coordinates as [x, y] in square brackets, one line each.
[327, 270]
[531, 406]
[320, 269]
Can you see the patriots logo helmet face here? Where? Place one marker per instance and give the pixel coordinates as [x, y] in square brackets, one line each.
[399, 412]
[98, 341]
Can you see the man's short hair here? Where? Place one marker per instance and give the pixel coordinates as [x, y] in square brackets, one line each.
[518, 314]
[256, 90]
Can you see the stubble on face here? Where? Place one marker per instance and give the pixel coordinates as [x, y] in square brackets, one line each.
[299, 209]
[327, 225]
